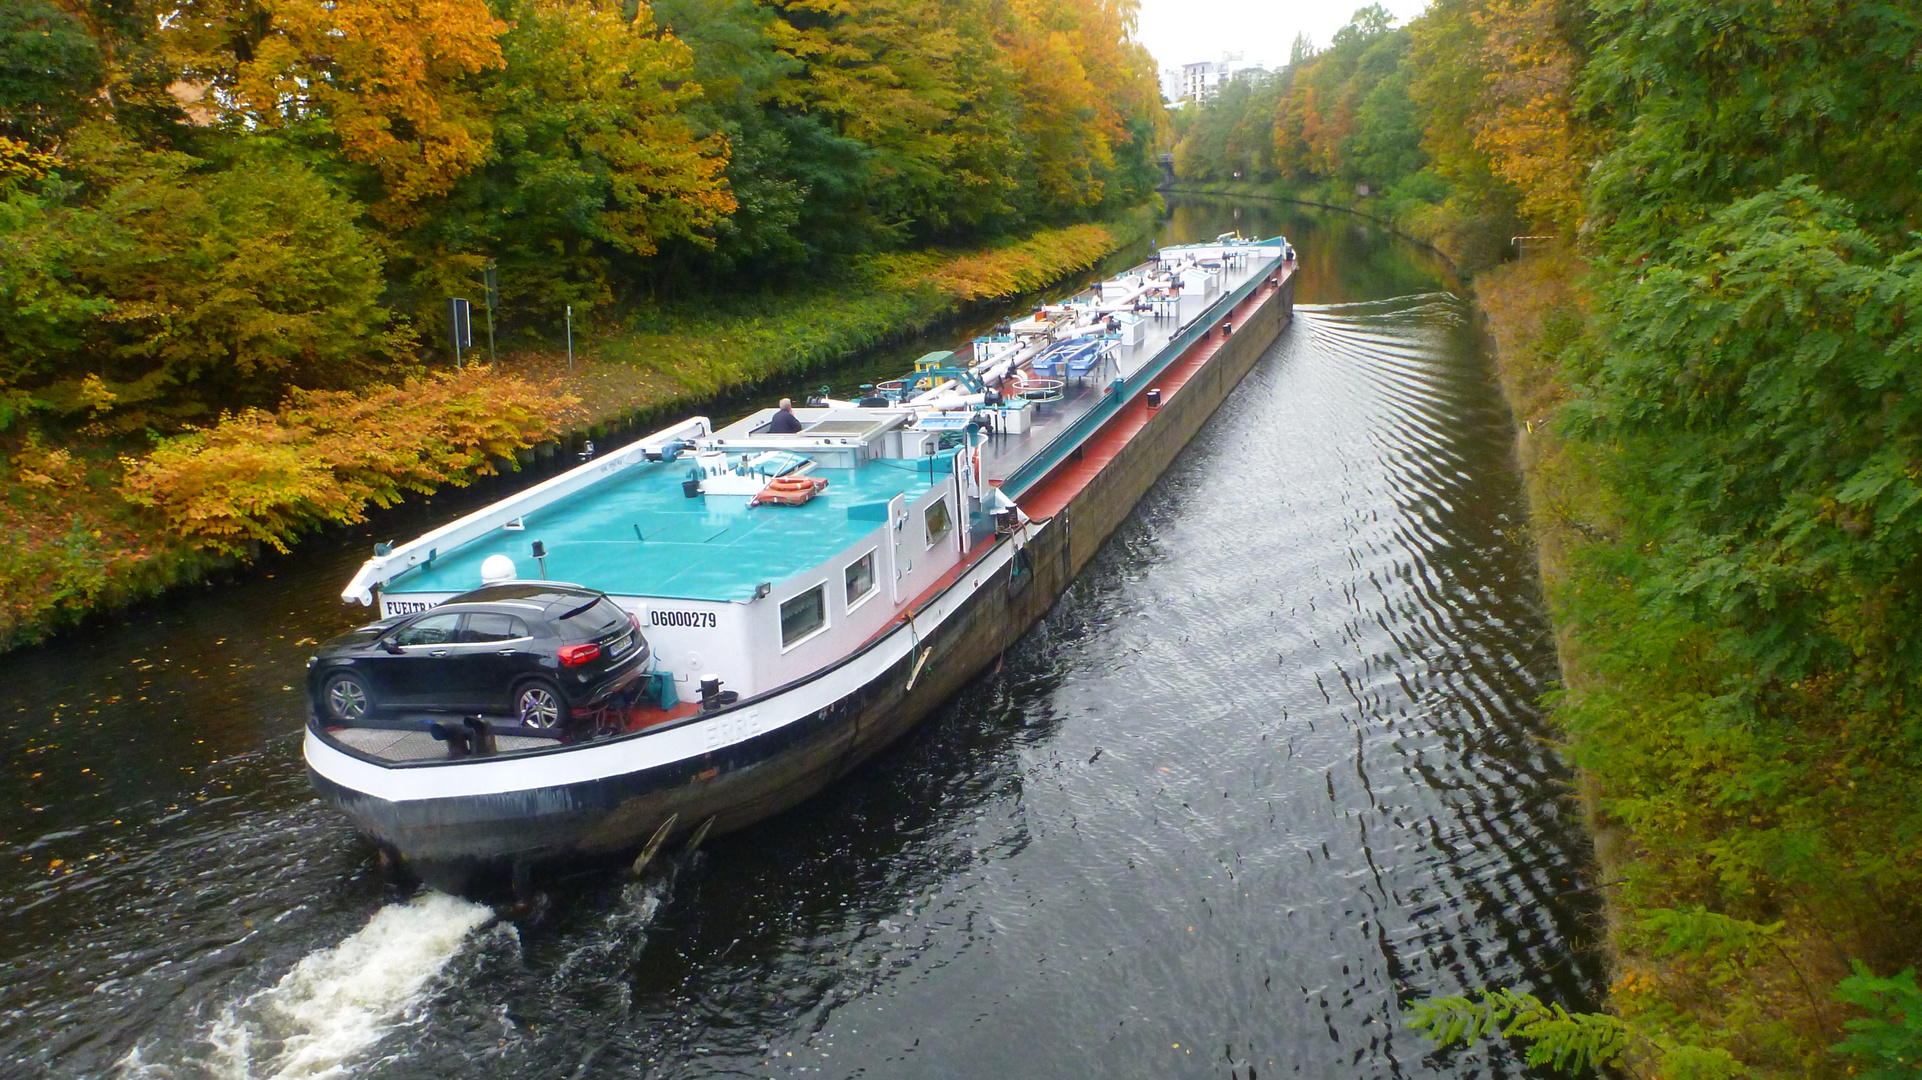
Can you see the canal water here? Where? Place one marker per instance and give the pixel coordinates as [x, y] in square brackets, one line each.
[1270, 772]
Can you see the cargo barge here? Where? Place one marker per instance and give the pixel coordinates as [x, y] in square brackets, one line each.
[806, 596]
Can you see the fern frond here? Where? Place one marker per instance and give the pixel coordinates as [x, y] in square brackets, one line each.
[1554, 1035]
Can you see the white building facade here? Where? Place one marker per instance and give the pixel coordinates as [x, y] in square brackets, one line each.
[1200, 82]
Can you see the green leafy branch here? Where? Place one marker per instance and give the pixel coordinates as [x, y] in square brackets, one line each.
[1889, 1039]
[1555, 1036]
[1563, 1040]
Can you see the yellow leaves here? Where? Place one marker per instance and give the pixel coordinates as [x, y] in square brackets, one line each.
[21, 163]
[616, 87]
[1022, 267]
[388, 73]
[928, 84]
[45, 468]
[1064, 117]
[1080, 76]
[1526, 124]
[94, 394]
[882, 68]
[261, 478]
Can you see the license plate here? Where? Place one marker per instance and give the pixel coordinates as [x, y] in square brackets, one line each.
[622, 646]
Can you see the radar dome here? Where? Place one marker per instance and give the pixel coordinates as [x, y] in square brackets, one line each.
[497, 568]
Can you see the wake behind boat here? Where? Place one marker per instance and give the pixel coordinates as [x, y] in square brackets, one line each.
[796, 599]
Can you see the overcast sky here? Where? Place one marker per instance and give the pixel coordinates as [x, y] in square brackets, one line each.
[1186, 31]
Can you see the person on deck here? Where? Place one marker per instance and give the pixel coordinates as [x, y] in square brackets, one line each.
[784, 421]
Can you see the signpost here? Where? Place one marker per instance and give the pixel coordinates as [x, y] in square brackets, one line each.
[570, 337]
[489, 279]
[460, 329]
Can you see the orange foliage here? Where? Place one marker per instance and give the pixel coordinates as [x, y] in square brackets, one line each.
[1080, 76]
[388, 74]
[1525, 124]
[260, 478]
[1024, 267]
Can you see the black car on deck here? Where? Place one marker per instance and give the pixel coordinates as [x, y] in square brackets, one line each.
[534, 651]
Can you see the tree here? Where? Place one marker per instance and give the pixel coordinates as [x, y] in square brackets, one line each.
[1232, 134]
[389, 79]
[1713, 103]
[593, 158]
[1768, 372]
[1316, 123]
[880, 72]
[172, 290]
[49, 67]
[794, 182]
[1082, 79]
[1526, 121]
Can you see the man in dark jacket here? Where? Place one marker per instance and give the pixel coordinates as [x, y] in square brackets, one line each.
[784, 422]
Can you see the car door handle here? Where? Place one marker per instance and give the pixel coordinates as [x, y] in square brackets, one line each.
[438, 652]
[505, 652]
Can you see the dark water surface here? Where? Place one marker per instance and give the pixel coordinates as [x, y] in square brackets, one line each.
[1269, 772]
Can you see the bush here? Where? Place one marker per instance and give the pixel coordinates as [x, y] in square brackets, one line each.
[262, 478]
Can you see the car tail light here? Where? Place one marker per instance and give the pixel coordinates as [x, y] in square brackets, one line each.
[576, 655]
[635, 620]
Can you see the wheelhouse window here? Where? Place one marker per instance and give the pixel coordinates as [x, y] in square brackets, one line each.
[803, 615]
[860, 578]
[937, 520]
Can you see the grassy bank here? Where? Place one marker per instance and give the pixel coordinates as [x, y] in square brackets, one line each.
[1749, 856]
[103, 520]
[685, 352]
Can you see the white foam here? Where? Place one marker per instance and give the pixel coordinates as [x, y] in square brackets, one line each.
[335, 1004]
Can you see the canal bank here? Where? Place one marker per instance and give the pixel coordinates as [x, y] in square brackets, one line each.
[1731, 950]
[1269, 772]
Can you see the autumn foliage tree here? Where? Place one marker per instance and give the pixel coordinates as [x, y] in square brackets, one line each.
[172, 285]
[1082, 79]
[594, 163]
[1528, 123]
[210, 202]
[916, 82]
[389, 78]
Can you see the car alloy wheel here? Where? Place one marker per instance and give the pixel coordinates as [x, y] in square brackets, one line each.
[347, 698]
[538, 705]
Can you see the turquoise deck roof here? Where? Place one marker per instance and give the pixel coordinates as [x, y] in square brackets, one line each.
[714, 547]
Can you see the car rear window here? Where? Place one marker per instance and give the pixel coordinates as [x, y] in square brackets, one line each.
[595, 619]
[492, 626]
